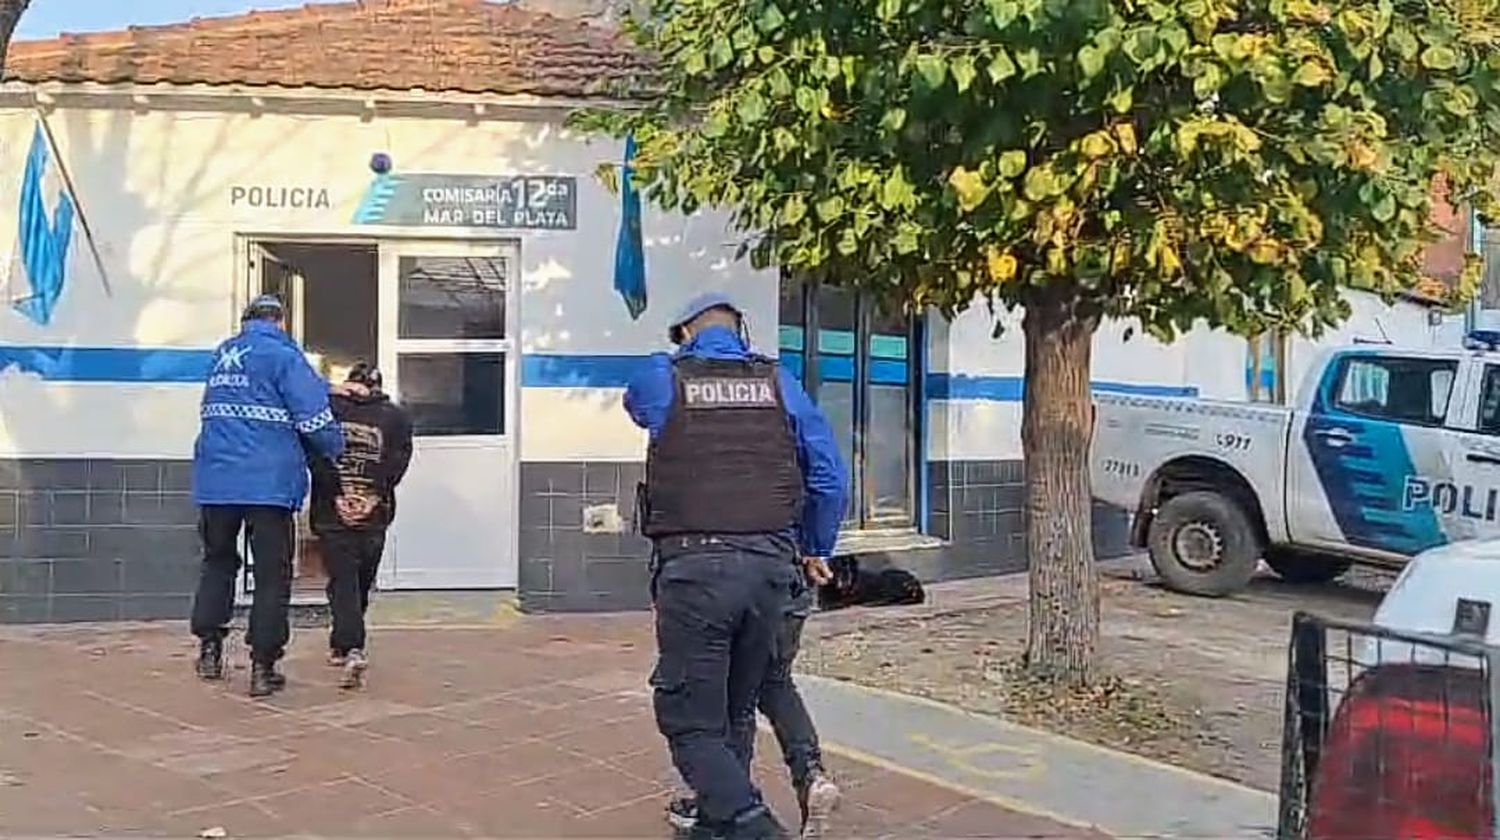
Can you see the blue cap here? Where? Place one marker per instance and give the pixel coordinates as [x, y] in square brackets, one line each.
[264, 306]
[697, 306]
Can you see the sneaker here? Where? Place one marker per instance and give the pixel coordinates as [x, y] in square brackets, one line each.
[819, 798]
[336, 659]
[682, 813]
[355, 665]
[211, 659]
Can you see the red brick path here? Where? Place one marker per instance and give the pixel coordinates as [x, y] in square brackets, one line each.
[540, 729]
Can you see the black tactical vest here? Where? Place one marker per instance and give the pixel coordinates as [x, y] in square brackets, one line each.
[726, 462]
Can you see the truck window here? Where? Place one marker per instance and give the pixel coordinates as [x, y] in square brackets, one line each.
[1400, 390]
[1489, 401]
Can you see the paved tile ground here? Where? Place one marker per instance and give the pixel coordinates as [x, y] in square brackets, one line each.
[540, 728]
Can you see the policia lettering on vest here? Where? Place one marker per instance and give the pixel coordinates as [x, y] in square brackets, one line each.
[743, 481]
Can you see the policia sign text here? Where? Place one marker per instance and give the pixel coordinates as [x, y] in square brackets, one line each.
[728, 393]
[516, 202]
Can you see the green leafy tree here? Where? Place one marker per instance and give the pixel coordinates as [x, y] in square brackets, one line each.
[1235, 162]
[10, 15]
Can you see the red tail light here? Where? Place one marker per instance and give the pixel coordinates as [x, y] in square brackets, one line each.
[1407, 757]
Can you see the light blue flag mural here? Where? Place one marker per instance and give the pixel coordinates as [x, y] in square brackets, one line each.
[44, 239]
[630, 254]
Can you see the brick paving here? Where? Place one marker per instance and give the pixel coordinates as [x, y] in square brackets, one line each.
[538, 729]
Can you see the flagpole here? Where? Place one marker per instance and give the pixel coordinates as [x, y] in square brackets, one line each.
[67, 179]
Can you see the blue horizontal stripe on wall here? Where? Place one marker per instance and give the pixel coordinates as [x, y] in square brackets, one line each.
[108, 364]
[167, 365]
[946, 386]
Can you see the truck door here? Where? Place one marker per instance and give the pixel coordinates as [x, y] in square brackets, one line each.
[1470, 507]
[1375, 422]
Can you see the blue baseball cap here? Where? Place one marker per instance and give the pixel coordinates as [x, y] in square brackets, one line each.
[264, 306]
[697, 306]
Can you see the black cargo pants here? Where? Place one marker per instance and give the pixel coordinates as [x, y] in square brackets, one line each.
[719, 606]
[273, 540]
[781, 702]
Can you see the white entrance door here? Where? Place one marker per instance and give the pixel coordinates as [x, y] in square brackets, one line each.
[447, 325]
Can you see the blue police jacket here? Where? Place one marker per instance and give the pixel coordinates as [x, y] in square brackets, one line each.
[262, 400]
[649, 402]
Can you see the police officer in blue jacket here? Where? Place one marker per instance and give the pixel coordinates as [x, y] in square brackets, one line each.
[263, 402]
[743, 477]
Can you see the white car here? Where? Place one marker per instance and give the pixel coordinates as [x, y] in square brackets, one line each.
[1386, 453]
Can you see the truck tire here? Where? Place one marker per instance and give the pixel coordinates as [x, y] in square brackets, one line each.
[1295, 566]
[1203, 543]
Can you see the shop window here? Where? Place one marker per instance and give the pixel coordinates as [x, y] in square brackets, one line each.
[859, 363]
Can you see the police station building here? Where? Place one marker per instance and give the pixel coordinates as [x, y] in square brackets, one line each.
[398, 171]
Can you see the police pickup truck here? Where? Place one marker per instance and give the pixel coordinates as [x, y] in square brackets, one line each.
[1385, 453]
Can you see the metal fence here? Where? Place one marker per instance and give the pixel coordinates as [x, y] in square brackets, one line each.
[1387, 734]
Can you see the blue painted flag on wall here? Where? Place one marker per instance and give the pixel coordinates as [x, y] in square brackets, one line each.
[630, 254]
[46, 232]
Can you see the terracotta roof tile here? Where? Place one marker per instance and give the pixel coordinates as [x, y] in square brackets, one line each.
[469, 46]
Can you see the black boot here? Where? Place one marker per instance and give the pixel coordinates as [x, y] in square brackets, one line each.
[758, 824]
[211, 659]
[265, 680]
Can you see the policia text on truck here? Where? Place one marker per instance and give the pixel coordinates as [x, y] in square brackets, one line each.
[1385, 453]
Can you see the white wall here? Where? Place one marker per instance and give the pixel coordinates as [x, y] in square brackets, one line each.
[155, 187]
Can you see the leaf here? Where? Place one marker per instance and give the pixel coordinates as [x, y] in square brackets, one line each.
[969, 187]
[1030, 62]
[897, 191]
[1039, 184]
[848, 243]
[907, 238]
[1122, 100]
[720, 53]
[1003, 12]
[771, 19]
[1439, 58]
[893, 120]
[1312, 74]
[766, 54]
[1091, 61]
[1012, 163]
[963, 72]
[1001, 67]
[830, 208]
[1096, 145]
[793, 211]
[889, 10]
[752, 107]
[807, 100]
[1385, 209]
[1002, 265]
[932, 69]
[1125, 136]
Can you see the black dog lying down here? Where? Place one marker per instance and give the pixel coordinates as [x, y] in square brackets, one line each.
[856, 587]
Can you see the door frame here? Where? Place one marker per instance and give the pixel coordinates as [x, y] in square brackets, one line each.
[244, 289]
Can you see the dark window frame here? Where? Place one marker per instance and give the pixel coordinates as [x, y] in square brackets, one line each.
[859, 515]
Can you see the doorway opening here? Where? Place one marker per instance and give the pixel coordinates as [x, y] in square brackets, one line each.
[331, 292]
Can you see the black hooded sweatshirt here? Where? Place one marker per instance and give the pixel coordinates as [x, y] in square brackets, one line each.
[377, 450]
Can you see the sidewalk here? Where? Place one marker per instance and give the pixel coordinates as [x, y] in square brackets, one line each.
[528, 727]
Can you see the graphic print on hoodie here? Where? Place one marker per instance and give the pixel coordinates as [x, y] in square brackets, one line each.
[377, 452]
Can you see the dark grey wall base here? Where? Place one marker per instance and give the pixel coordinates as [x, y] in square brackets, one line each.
[96, 540]
[976, 506]
[565, 569]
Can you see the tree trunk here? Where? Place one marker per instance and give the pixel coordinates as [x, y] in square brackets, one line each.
[1056, 427]
[10, 15]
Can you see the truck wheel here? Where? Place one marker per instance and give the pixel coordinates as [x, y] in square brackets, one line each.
[1295, 566]
[1202, 543]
